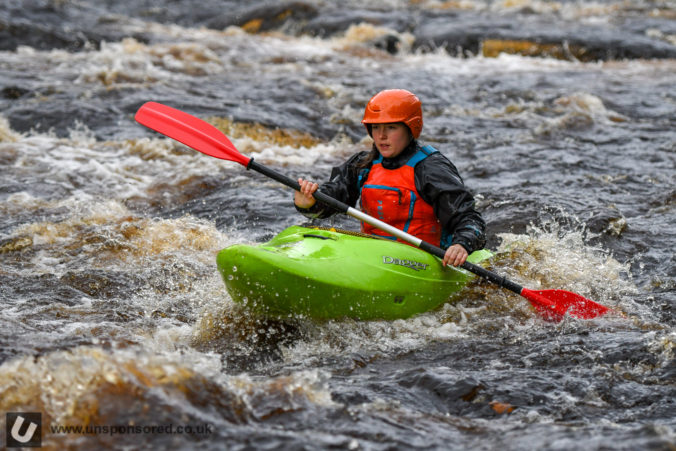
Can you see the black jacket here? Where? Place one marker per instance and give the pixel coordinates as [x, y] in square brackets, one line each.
[438, 183]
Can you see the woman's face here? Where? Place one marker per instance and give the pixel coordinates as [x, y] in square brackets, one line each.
[390, 139]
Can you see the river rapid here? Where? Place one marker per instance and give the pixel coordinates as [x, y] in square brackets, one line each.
[560, 116]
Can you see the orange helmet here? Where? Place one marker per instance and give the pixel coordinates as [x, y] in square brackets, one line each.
[394, 105]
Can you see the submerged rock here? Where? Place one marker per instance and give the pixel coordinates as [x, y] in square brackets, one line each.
[474, 34]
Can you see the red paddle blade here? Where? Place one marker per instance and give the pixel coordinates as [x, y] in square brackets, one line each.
[189, 130]
[554, 304]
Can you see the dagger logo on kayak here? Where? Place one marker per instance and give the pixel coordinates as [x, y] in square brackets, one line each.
[417, 266]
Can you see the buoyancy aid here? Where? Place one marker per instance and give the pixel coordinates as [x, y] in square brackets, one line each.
[391, 196]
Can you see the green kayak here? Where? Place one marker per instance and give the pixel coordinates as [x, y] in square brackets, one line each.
[329, 274]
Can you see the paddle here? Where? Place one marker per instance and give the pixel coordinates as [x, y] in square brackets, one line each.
[205, 138]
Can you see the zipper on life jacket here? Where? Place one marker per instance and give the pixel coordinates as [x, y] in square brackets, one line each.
[388, 188]
[411, 207]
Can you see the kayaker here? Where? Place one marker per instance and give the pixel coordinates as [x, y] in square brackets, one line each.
[403, 183]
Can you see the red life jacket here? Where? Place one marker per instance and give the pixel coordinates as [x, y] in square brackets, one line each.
[390, 195]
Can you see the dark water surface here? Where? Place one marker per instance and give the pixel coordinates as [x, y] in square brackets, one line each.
[561, 116]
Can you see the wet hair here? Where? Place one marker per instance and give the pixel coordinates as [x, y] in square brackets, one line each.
[368, 159]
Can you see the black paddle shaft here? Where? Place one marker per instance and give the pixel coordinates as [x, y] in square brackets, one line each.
[344, 208]
[291, 183]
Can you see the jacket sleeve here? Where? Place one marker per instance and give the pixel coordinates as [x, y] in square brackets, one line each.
[439, 183]
[343, 186]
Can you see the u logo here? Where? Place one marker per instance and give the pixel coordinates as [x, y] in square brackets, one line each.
[19, 435]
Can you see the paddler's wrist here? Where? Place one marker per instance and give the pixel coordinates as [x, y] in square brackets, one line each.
[311, 212]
